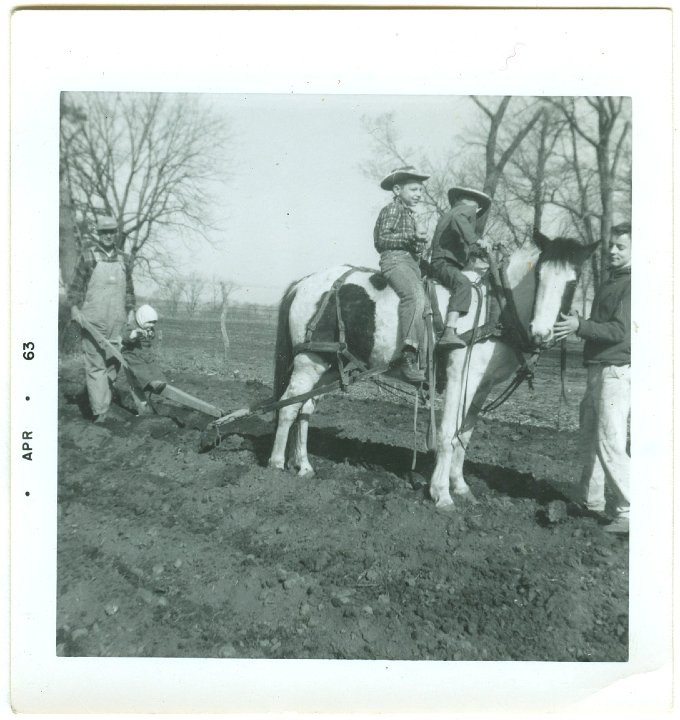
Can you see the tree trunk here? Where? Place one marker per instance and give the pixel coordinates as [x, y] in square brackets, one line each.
[68, 258]
[539, 182]
[225, 336]
[606, 192]
[68, 245]
[223, 323]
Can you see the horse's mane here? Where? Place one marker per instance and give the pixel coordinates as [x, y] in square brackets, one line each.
[563, 251]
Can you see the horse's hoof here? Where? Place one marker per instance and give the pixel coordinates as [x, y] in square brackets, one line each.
[276, 464]
[445, 505]
[467, 497]
[307, 472]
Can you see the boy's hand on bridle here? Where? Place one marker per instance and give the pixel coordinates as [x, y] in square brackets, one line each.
[566, 325]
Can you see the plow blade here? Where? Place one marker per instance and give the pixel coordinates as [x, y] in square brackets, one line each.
[170, 392]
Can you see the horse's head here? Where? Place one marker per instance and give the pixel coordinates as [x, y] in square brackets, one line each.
[557, 272]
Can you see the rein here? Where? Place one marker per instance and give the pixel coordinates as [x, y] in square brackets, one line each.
[515, 334]
[519, 338]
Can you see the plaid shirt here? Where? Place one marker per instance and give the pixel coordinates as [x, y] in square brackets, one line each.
[395, 229]
[83, 272]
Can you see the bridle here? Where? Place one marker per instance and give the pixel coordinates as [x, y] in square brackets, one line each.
[518, 336]
[567, 295]
[565, 308]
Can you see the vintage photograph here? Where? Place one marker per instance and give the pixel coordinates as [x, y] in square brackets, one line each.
[344, 376]
[322, 329]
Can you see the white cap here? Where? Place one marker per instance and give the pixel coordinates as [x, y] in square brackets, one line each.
[145, 314]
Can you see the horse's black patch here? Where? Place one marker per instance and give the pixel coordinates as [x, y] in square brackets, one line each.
[378, 280]
[358, 315]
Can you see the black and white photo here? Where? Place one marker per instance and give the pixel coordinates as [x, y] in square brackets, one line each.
[349, 370]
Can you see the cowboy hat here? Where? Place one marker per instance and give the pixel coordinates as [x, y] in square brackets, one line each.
[105, 223]
[400, 176]
[482, 199]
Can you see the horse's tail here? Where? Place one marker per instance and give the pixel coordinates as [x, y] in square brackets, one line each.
[283, 356]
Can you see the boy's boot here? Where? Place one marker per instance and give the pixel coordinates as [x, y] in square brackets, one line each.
[410, 369]
[449, 340]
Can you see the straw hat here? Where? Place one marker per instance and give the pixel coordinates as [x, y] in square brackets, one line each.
[402, 175]
[482, 199]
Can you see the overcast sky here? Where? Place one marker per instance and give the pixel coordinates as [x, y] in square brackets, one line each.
[296, 200]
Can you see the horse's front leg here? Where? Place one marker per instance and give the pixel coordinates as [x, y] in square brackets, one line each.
[299, 459]
[456, 479]
[307, 369]
[439, 483]
[492, 362]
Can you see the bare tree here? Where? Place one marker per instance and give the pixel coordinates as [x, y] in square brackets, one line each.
[148, 160]
[533, 174]
[227, 287]
[171, 288]
[500, 144]
[214, 302]
[193, 290]
[599, 127]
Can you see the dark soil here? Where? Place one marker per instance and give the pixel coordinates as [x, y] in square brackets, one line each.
[170, 552]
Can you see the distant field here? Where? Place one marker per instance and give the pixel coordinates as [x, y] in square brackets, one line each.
[196, 344]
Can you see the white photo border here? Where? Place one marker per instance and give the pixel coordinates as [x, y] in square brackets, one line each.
[481, 51]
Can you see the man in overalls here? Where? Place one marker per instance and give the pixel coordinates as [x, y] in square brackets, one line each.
[102, 293]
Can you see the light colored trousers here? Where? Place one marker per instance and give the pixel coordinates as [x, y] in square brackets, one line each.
[403, 274]
[104, 307]
[605, 409]
[100, 374]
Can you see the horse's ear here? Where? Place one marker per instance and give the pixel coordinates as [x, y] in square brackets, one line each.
[587, 250]
[540, 239]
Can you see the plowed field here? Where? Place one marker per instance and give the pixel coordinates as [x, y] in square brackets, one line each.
[170, 552]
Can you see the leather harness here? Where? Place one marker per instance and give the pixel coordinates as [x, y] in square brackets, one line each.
[502, 322]
[347, 362]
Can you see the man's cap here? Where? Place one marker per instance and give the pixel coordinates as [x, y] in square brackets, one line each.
[105, 223]
[145, 314]
[621, 229]
[402, 175]
[481, 198]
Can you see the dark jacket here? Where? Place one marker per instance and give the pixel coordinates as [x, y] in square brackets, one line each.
[140, 355]
[454, 235]
[607, 332]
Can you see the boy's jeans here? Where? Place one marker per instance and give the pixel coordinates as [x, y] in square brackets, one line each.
[604, 426]
[403, 274]
[459, 285]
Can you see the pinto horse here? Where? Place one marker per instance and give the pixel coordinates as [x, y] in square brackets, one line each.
[541, 275]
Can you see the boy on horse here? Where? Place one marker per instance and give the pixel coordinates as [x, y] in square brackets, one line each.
[400, 240]
[606, 404]
[454, 237]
